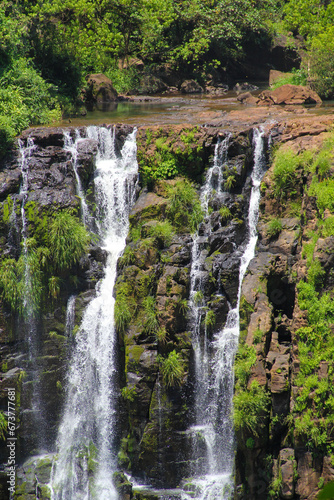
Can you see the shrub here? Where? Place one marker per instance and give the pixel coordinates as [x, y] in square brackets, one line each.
[225, 213]
[274, 227]
[328, 227]
[324, 193]
[162, 232]
[184, 208]
[210, 319]
[250, 409]
[3, 426]
[285, 164]
[297, 77]
[321, 62]
[123, 312]
[172, 369]
[151, 324]
[68, 240]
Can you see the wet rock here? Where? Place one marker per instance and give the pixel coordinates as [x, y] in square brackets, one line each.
[245, 87]
[289, 94]
[287, 466]
[150, 84]
[100, 89]
[247, 98]
[308, 477]
[191, 87]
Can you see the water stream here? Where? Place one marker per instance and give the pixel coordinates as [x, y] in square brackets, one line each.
[86, 440]
[71, 146]
[213, 476]
[30, 302]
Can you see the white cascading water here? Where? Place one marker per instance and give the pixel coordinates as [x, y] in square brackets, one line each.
[213, 181]
[71, 146]
[29, 305]
[70, 316]
[86, 454]
[215, 377]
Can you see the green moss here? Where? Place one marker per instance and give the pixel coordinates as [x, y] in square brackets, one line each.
[245, 312]
[132, 356]
[7, 209]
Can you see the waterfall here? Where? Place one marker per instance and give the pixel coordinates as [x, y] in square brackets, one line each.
[70, 316]
[86, 452]
[71, 146]
[214, 363]
[213, 181]
[30, 302]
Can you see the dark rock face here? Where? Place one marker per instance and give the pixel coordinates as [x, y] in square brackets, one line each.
[51, 187]
[191, 87]
[154, 445]
[100, 89]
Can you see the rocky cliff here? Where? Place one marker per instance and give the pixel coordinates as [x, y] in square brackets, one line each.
[283, 366]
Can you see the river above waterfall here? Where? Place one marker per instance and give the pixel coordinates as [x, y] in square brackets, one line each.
[191, 109]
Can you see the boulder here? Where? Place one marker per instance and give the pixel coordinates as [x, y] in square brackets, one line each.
[247, 98]
[100, 89]
[244, 87]
[150, 84]
[191, 87]
[289, 94]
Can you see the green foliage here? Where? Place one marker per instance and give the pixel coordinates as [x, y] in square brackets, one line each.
[327, 228]
[3, 426]
[230, 182]
[250, 409]
[258, 336]
[210, 319]
[321, 64]
[225, 213]
[123, 80]
[297, 77]
[30, 99]
[245, 359]
[286, 162]
[68, 240]
[327, 492]
[198, 298]
[274, 227]
[324, 193]
[151, 324]
[172, 369]
[161, 335]
[184, 208]
[125, 307]
[162, 233]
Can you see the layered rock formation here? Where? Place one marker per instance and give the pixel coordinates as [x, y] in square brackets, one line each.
[275, 456]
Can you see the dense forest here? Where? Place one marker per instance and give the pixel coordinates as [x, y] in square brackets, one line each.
[48, 47]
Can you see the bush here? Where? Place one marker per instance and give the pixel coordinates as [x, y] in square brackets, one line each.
[172, 369]
[68, 240]
[321, 63]
[297, 77]
[250, 409]
[123, 311]
[274, 228]
[225, 213]
[286, 163]
[30, 99]
[184, 208]
[162, 233]
[151, 324]
[324, 193]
